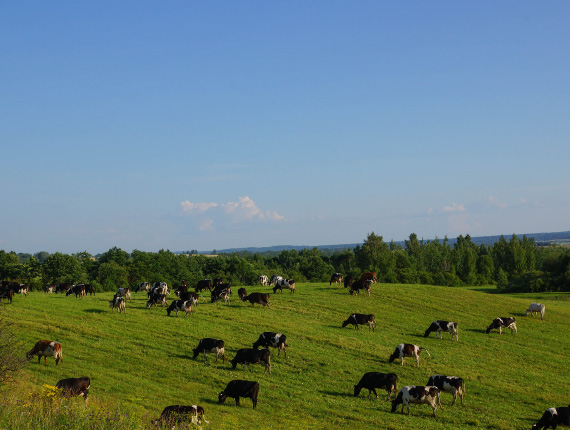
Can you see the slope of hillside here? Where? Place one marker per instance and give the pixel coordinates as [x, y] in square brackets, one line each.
[142, 361]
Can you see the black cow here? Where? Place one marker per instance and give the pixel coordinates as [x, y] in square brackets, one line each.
[61, 288]
[7, 293]
[242, 293]
[239, 388]
[222, 294]
[348, 281]
[89, 289]
[190, 295]
[207, 345]
[373, 380]
[356, 319]
[247, 356]
[553, 417]
[440, 326]
[204, 284]
[75, 387]
[177, 414]
[78, 290]
[275, 340]
[180, 305]
[449, 384]
[499, 323]
[157, 299]
[361, 285]
[261, 298]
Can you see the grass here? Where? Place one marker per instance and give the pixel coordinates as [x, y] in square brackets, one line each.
[140, 362]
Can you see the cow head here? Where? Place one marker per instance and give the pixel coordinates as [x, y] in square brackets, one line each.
[222, 397]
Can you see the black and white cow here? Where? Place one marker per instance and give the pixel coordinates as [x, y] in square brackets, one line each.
[450, 384]
[274, 279]
[418, 395]
[89, 289]
[263, 280]
[535, 309]
[239, 388]
[408, 350]
[24, 290]
[118, 303]
[124, 292]
[356, 319]
[284, 284]
[190, 295]
[275, 340]
[247, 356]
[499, 323]
[336, 278]
[159, 288]
[207, 345]
[178, 414]
[142, 286]
[180, 305]
[78, 290]
[222, 294]
[71, 387]
[157, 299]
[373, 380]
[440, 326]
[553, 417]
[261, 298]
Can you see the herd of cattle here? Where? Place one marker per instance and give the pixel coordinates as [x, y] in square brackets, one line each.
[157, 295]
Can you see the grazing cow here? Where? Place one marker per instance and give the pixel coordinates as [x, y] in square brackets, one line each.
[369, 275]
[418, 395]
[373, 380]
[356, 319]
[508, 322]
[24, 289]
[49, 288]
[190, 295]
[348, 281]
[7, 293]
[336, 278]
[217, 281]
[408, 350]
[159, 288]
[180, 305]
[440, 326]
[177, 414]
[449, 384]
[45, 349]
[275, 340]
[361, 285]
[239, 388]
[204, 284]
[261, 298]
[535, 308]
[207, 345]
[118, 303]
[263, 280]
[61, 288]
[274, 279]
[78, 290]
[181, 290]
[124, 292]
[220, 295]
[242, 293]
[71, 387]
[142, 286]
[157, 299]
[247, 356]
[553, 417]
[284, 283]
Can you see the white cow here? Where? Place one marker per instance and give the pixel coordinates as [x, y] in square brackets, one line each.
[263, 280]
[536, 308]
[124, 292]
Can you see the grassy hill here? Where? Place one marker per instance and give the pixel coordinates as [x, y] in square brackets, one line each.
[140, 362]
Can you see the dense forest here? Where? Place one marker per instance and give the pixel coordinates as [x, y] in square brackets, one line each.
[514, 265]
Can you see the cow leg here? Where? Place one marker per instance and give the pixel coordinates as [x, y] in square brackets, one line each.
[237, 401]
[454, 393]
[417, 357]
[375, 393]
[402, 361]
[206, 356]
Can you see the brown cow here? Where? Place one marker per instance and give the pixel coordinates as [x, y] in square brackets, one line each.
[369, 275]
[46, 348]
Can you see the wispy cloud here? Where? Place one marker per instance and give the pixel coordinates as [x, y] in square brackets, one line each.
[496, 202]
[455, 207]
[208, 215]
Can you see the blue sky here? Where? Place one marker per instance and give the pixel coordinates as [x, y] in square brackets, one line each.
[208, 125]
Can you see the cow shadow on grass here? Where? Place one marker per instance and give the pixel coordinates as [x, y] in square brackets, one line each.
[336, 393]
[476, 330]
[94, 311]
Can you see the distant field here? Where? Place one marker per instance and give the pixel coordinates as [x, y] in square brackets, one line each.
[142, 361]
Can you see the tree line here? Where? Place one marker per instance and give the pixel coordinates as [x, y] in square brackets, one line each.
[514, 265]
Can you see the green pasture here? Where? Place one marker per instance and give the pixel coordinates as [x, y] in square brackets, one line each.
[141, 361]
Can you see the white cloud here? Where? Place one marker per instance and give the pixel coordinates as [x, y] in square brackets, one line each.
[206, 225]
[454, 208]
[244, 209]
[496, 202]
[188, 206]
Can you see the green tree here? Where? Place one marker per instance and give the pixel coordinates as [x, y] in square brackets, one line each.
[62, 268]
[112, 276]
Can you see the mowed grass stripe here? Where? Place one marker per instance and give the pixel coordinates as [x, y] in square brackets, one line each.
[142, 359]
